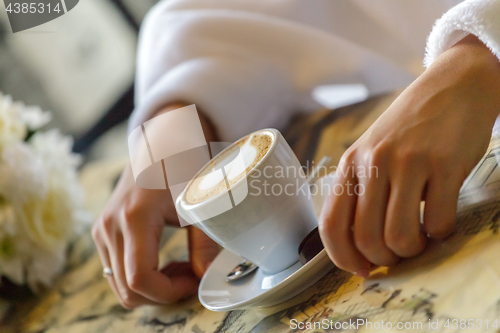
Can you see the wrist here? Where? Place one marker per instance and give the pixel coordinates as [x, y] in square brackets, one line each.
[472, 72]
[206, 124]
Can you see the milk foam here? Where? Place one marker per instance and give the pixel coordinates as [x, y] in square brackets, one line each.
[234, 163]
[233, 166]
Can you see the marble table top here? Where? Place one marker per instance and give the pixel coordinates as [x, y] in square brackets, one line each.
[454, 280]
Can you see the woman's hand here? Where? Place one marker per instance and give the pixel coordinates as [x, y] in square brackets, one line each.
[422, 148]
[127, 236]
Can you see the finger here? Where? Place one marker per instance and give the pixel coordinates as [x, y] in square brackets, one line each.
[104, 256]
[180, 269]
[129, 298]
[403, 231]
[441, 207]
[370, 220]
[202, 250]
[141, 266]
[335, 227]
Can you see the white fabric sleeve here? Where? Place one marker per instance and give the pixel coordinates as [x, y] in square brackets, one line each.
[225, 58]
[251, 64]
[478, 17]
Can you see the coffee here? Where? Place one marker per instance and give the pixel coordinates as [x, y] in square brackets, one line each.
[235, 162]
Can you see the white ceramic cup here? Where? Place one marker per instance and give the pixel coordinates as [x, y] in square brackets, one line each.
[269, 215]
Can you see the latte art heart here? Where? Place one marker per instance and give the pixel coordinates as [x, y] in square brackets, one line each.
[228, 167]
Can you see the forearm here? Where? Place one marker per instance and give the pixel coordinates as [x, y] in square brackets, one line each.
[470, 68]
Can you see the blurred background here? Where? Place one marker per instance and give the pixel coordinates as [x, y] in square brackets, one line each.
[81, 68]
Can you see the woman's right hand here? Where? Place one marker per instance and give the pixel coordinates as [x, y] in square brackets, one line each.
[127, 236]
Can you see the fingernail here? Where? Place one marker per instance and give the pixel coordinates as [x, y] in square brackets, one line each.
[362, 273]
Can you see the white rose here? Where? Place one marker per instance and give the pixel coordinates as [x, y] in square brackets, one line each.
[40, 197]
[11, 261]
[35, 118]
[47, 222]
[12, 126]
[60, 164]
[50, 220]
[22, 177]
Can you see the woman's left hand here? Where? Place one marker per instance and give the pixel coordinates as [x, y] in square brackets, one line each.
[422, 148]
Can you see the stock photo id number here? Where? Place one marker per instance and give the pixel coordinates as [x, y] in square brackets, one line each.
[28, 14]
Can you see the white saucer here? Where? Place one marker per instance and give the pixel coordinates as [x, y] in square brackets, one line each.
[259, 289]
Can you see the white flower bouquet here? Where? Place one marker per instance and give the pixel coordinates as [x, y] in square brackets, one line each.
[40, 197]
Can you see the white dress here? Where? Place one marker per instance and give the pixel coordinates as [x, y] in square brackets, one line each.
[251, 64]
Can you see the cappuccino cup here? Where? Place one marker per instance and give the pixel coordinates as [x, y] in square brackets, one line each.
[253, 199]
